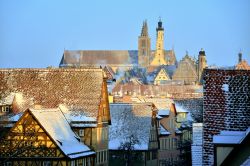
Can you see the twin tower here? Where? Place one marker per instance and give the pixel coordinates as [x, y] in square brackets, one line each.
[146, 57]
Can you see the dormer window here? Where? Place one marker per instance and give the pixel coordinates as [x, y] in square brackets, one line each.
[6, 108]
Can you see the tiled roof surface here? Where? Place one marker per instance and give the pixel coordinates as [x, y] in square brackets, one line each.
[105, 57]
[243, 65]
[226, 105]
[127, 120]
[99, 57]
[79, 89]
[186, 70]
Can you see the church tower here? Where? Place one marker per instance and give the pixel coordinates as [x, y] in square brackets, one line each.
[144, 46]
[159, 57]
[202, 63]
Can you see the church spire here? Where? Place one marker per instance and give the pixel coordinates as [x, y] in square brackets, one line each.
[144, 31]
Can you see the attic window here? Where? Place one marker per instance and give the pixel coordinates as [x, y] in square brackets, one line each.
[5, 109]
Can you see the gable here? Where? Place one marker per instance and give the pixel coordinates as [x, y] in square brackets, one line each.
[186, 69]
[162, 75]
[27, 138]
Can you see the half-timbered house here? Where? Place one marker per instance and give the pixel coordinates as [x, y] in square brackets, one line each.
[80, 93]
[44, 137]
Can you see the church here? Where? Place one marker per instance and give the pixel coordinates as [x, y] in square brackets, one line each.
[187, 71]
[124, 59]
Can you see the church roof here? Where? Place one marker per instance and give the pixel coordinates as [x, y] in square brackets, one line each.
[79, 89]
[106, 57]
[99, 57]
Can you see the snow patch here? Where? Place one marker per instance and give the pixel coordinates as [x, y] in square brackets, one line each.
[225, 87]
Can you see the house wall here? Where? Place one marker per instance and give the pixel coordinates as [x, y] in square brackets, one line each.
[168, 151]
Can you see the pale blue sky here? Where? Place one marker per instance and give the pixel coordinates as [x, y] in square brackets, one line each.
[34, 33]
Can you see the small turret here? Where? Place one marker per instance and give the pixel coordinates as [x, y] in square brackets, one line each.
[202, 63]
[202, 52]
[159, 25]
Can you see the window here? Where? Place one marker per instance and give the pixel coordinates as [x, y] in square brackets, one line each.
[7, 163]
[103, 111]
[47, 163]
[73, 163]
[81, 132]
[80, 162]
[5, 109]
[148, 155]
[154, 155]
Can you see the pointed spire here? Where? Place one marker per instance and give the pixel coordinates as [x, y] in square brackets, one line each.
[144, 31]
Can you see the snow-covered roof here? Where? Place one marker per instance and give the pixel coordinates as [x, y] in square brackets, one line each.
[8, 100]
[79, 88]
[15, 117]
[177, 131]
[54, 122]
[164, 131]
[246, 162]
[159, 117]
[180, 108]
[163, 112]
[130, 119]
[230, 137]
[76, 115]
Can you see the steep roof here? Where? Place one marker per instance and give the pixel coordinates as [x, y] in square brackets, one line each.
[243, 65]
[79, 89]
[186, 69]
[54, 122]
[169, 69]
[130, 119]
[107, 57]
[99, 57]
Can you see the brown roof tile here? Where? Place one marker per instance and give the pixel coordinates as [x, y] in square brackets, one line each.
[79, 89]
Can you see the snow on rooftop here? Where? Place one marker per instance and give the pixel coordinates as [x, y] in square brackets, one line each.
[75, 115]
[8, 100]
[225, 87]
[230, 137]
[163, 112]
[246, 162]
[58, 128]
[180, 108]
[127, 120]
[15, 117]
